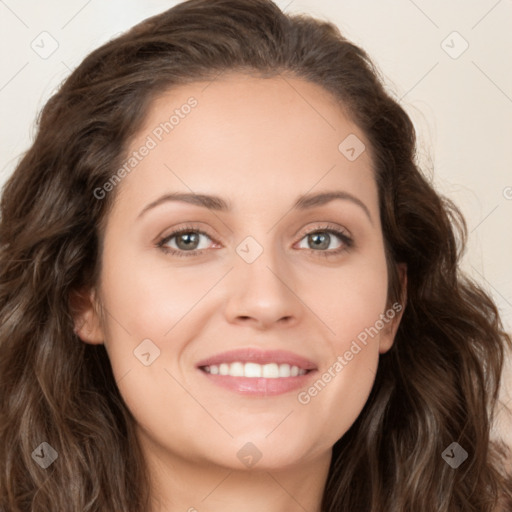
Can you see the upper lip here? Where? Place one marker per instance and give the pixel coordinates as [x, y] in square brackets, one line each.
[254, 355]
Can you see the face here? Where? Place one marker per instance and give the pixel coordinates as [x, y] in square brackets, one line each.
[243, 283]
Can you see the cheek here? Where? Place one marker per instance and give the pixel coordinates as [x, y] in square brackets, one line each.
[149, 314]
[351, 305]
[150, 317]
[148, 301]
[352, 298]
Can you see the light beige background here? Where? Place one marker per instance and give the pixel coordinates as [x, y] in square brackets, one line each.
[460, 101]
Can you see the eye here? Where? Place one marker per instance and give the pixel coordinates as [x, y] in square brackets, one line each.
[321, 240]
[191, 241]
[187, 241]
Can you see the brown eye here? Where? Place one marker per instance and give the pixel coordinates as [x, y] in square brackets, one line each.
[188, 240]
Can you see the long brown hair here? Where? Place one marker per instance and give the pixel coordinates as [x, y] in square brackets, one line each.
[437, 385]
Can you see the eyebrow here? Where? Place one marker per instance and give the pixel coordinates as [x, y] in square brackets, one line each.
[216, 203]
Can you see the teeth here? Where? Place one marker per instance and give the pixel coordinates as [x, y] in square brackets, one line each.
[236, 370]
[253, 370]
[284, 370]
[270, 371]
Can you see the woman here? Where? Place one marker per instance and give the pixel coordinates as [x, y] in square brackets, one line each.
[226, 285]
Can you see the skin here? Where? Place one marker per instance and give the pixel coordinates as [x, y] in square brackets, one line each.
[259, 144]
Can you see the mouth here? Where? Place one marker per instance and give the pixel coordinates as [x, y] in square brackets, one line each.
[257, 372]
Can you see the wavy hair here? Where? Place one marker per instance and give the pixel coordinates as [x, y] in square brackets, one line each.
[437, 385]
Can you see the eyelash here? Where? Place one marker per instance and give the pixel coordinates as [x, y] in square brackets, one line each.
[345, 239]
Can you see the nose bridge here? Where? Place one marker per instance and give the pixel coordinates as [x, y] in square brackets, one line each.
[261, 282]
[259, 262]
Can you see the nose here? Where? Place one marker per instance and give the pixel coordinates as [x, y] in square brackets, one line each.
[261, 293]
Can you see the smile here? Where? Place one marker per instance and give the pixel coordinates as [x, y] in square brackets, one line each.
[254, 370]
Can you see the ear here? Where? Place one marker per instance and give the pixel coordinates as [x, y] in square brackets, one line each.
[86, 317]
[394, 313]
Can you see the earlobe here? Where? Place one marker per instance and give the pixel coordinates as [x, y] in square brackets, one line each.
[394, 313]
[86, 317]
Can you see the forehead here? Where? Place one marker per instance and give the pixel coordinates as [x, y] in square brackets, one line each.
[244, 136]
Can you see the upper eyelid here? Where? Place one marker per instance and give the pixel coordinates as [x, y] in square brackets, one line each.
[328, 226]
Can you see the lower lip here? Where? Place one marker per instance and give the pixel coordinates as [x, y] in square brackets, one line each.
[260, 386]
